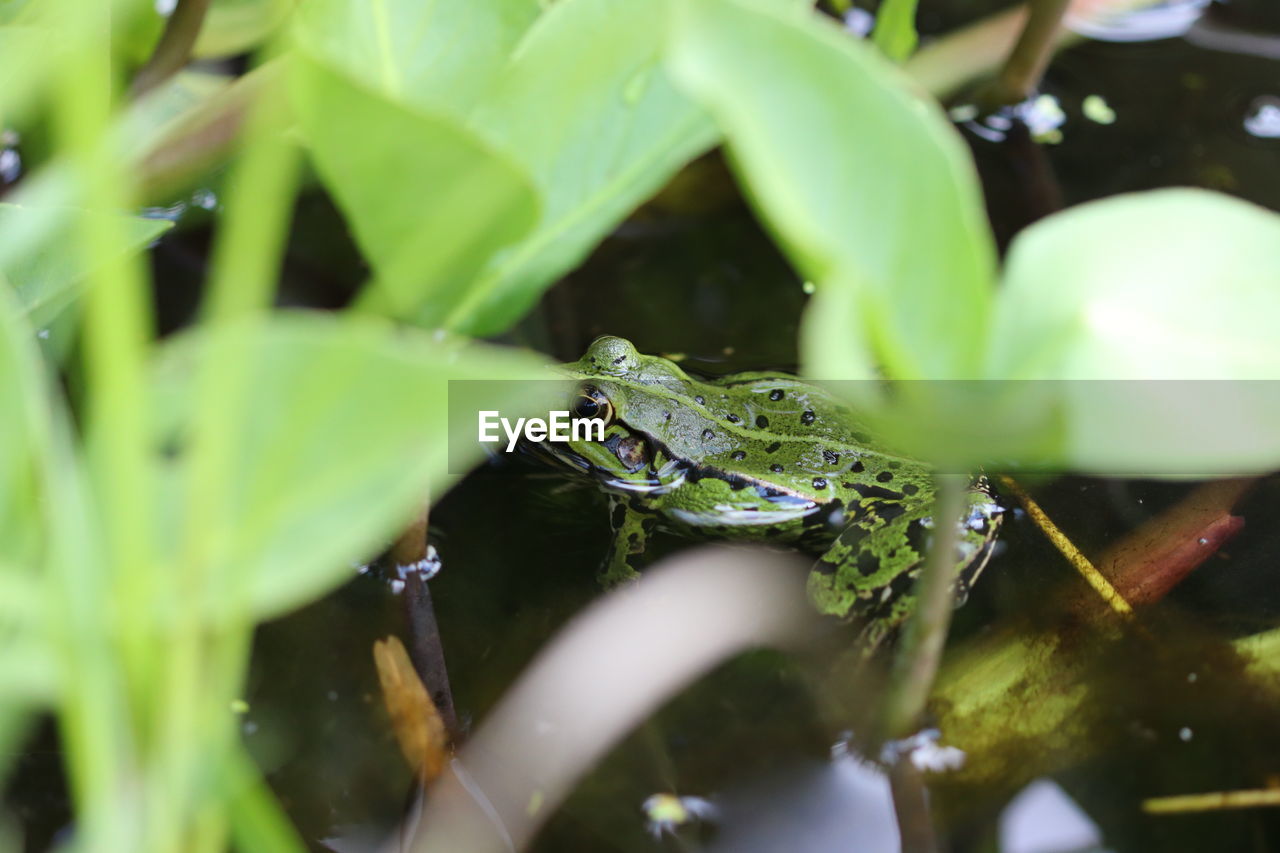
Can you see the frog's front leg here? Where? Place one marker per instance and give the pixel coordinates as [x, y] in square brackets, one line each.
[630, 532]
[870, 571]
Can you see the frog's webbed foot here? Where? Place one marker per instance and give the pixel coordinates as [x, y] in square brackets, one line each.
[630, 532]
[869, 572]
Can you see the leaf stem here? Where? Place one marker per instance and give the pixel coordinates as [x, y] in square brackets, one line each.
[174, 48]
[926, 632]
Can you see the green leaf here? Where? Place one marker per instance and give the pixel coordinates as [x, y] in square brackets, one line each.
[586, 106]
[864, 182]
[440, 56]
[1169, 285]
[37, 258]
[236, 26]
[428, 201]
[23, 444]
[338, 439]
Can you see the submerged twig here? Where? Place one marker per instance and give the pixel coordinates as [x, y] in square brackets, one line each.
[1068, 549]
[174, 48]
[1214, 801]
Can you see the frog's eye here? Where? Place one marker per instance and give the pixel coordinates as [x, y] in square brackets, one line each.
[590, 403]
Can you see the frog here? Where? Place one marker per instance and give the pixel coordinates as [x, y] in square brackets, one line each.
[762, 456]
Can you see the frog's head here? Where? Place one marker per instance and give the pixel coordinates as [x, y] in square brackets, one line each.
[616, 384]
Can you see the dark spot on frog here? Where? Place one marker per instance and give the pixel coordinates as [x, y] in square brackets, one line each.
[773, 447]
[867, 564]
[762, 421]
[707, 435]
[618, 516]
[889, 511]
[666, 416]
[884, 477]
[775, 468]
[819, 483]
[700, 400]
[733, 419]
[620, 359]
[648, 524]
[738, 455]
[776, 394]
[633, 539]
[737, 483]
[910, 489]
[831, 457]
[857, 467]
[875, 492]
[807, 417]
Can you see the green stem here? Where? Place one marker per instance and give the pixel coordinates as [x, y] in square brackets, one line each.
[174, 47]
[926, 632]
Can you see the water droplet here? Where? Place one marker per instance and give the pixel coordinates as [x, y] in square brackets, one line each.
[809, 287]
[1263, 120]
[1184, 734]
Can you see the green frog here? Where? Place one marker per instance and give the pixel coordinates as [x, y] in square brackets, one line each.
[763, 456]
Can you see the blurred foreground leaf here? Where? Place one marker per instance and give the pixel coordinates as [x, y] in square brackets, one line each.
[338, 438]
[864, 182]
[39, 260]
[580, 111]
[1165, 285]
[429, 202]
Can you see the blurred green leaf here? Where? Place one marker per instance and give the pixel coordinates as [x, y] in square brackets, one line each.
[26, 673]
[38, 256]
[235, 26]
[864, 182]
[440, 56]
[587, 108]
[1170, 284]
[1167, 285]
[582, 104]
[338, 438]
[428, 201]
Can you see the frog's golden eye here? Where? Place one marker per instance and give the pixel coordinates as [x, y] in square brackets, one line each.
[590, 403]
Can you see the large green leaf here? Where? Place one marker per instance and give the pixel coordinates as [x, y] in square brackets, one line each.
[1166, 285]
[863, 181]
[440, 56]
[38, 260]
[581, 105]
[428, 201]
[337, 439]
[586, 106]
[1172, 284]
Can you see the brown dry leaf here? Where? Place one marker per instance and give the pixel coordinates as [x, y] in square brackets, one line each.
[1154, 557]
[414, 717]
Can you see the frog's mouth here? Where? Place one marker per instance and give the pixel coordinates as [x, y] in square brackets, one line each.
[620, 463]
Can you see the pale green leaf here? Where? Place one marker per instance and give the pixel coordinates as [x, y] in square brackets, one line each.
[428, 201]
[440, 56]
[586, 106]
[39, 260]
[864, 181]
[338, 439]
